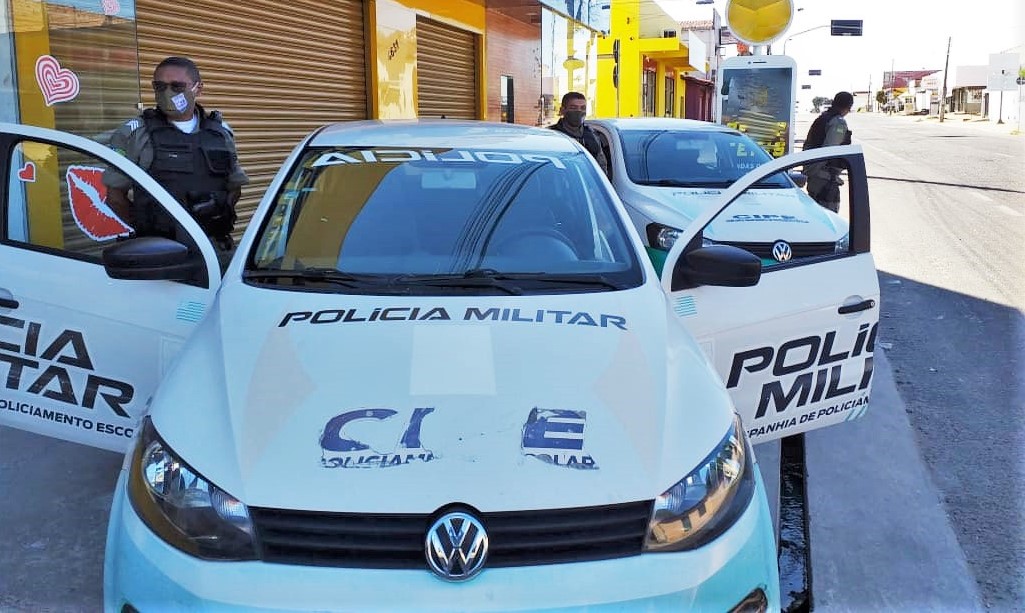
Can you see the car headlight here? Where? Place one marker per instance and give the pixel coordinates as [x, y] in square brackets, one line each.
[843, 245]
[662, 237]
[705, 503]
[183, 508]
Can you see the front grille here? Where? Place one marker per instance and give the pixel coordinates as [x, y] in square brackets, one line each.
[799, 250]
[519, 538]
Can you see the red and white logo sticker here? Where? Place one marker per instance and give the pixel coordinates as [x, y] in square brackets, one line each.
[27, 173]
[57, 84]
[89, 204]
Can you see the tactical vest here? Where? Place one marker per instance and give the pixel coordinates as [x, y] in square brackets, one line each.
[587, 138]
[817, 132]
[194, 168]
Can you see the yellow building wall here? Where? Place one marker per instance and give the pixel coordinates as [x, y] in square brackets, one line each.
[393, 50]
[31, 41]
[626, 100]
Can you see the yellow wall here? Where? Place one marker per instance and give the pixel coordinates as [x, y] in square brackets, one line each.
[32, 40]
[666, 52]
[393, 46]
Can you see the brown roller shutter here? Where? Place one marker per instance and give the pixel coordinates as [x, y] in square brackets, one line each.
[277, 71]
[446, 71]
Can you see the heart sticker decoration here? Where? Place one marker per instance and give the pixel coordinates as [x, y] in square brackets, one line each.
[28, 172]
[89, 204]
[57, 84]
[111, 7]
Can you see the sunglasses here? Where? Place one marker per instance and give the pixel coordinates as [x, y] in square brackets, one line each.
[176, 86]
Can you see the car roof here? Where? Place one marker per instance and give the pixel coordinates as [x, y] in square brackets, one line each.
[442, 133]
[661, 123]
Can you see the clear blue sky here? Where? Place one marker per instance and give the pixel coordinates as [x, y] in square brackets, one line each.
[910, 34]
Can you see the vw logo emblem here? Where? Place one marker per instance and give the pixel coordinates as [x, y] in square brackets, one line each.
[781, 251]
[456, 546]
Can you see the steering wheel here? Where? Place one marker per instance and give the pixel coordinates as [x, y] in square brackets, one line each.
[537, 244]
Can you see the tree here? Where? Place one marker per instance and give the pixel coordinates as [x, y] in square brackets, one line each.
[881, 97]
[818, 101]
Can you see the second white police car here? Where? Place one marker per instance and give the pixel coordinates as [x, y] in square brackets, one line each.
[667, 171]
[440, 374]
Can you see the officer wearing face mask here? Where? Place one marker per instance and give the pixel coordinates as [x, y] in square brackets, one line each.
[573, 111]
[190, 152]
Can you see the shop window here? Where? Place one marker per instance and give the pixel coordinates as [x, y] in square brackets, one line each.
[508, 100]
[77, 65]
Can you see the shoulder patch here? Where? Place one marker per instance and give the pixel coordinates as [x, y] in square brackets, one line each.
[133, 125]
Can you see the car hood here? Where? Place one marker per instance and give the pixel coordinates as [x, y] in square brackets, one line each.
[406, 404]
[760, 215]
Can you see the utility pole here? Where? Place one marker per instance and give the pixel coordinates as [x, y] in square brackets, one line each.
[889, 99]
[1000, 117]
[943, 96]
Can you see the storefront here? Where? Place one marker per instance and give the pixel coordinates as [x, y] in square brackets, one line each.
[276, 71]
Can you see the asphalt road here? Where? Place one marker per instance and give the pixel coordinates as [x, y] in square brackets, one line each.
[948, 237]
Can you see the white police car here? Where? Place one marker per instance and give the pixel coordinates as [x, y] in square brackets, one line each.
[667, 171]
[439, 375]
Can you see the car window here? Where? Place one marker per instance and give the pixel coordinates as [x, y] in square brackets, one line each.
[57, 202]
[680, 158]
[395, 217]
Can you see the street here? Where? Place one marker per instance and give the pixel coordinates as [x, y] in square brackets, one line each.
[948, 240]
[948, 222]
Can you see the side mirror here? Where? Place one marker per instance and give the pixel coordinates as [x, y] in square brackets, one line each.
[151, 258]
[798, 178]
[721, 265]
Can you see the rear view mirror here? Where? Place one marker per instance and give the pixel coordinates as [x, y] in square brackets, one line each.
[799, 178]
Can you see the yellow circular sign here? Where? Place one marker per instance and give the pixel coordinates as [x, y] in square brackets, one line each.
[759, 22]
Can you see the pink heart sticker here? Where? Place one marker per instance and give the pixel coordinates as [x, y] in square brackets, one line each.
[28, 172]
[57, 84]
[111, 7]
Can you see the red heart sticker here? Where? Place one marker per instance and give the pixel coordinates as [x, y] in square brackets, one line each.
[57, 84]
[28, 172]
[89, 204]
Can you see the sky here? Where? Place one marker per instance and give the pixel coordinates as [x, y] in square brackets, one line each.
[904, 34]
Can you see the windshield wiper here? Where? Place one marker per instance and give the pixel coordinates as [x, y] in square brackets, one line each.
[592, 280]
[316, 275]
[474, 278]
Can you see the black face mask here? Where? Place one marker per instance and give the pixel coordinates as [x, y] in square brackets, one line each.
[574, 118]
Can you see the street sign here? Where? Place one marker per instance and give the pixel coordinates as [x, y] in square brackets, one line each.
[845, 27]
[814, 72]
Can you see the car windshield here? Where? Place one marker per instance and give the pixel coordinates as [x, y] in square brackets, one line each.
[385, 220]
[697, 158]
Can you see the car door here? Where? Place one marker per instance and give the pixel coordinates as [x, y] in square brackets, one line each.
[793, 342]
[80, 351]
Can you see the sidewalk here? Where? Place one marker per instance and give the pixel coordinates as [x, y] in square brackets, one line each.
[880, 537]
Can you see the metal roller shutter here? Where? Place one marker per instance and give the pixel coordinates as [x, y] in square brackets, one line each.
[277, 71]
[446, 71]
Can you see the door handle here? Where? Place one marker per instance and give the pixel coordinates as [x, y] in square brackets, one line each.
[864, 305]
[8, 303]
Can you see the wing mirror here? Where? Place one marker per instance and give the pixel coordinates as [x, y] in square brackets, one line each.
[721, 265]
[151, 258]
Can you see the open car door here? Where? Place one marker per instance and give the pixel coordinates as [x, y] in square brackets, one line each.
[793, 342]
[90, 316]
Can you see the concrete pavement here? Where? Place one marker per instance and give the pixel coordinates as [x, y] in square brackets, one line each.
[880, 538]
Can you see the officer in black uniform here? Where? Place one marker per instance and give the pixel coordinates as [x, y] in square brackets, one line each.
[190, 152]
[573, 111]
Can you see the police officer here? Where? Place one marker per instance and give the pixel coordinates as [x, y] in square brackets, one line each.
[190, 152]
[829, 128]
[571, 123]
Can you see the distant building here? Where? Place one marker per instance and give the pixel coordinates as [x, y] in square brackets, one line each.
[967, 89]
